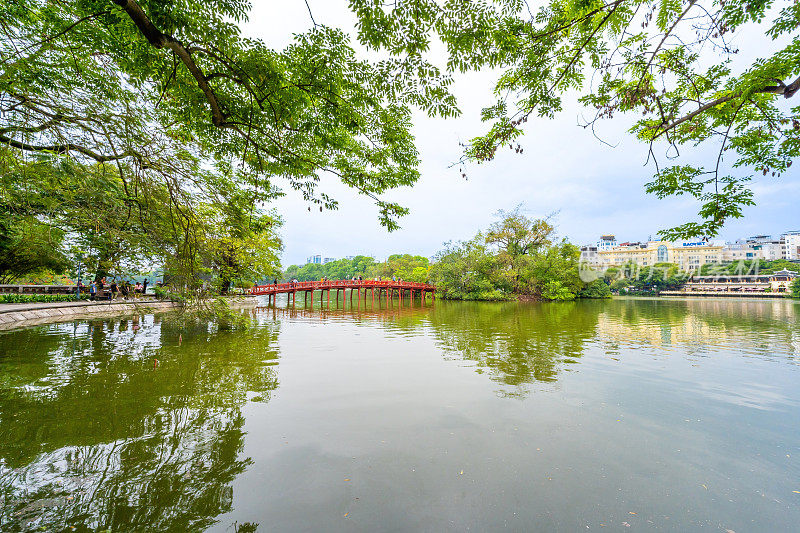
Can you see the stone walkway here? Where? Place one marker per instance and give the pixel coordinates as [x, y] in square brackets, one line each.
[16, 308]
[28, 314]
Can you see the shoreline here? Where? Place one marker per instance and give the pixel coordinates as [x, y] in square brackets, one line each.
[35, 314]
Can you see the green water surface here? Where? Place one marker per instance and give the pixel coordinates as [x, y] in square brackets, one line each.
[622, 415]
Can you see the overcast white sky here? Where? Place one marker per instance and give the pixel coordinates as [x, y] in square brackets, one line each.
[595, 189]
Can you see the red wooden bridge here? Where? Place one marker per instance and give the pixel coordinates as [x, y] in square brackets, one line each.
[386, 289]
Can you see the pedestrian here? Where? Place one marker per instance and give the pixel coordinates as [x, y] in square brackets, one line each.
[100, 286]
[112, 295]
[92, 291]
[144, 287]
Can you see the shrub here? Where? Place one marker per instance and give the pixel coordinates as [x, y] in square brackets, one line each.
[596, 289]
[37, 298]
[795, 287]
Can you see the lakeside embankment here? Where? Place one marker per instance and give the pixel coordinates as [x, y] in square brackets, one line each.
[32, 314]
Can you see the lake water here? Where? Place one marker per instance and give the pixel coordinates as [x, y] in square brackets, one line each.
[622, 415]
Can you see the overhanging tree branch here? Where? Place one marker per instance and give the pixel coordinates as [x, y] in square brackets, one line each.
[61, 149]
[160, 40]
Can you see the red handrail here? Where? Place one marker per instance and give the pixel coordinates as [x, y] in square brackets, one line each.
[337, 284]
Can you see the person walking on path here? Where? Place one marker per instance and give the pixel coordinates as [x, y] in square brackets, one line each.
[144, 287]
[92, 291]
[112, 295]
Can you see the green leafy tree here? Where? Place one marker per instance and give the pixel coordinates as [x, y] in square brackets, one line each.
[794, 287]
[29, 247]
[359, 265]
[402, 266]
[464, 271]
[115, 81]
[517, 237]
[553, 272]
[597, 289]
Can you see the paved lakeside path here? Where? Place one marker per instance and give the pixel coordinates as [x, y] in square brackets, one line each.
[30, 314]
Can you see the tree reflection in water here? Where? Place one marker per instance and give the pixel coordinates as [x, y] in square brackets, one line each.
[518, 344]
[95, 434]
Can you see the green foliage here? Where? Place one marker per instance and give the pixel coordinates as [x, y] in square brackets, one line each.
[649, 279]
[27, 247]
[339, 269]
[466, 271]
[794, 288]
[748, 266]
[522, 261]
[555, 290]
[37, 298]
[402, 266]
[627, 57]
[620, 284]
[180, 91]
[556, 263]
[597, 289]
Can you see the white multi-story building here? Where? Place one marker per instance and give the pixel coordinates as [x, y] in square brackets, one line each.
[688, 255]
[790, 245]
[757, 247]
[589, 255]
[316, 259]
[606, 242]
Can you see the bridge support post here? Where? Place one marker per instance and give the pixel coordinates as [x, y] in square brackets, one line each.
[329, 298]
[312, 298]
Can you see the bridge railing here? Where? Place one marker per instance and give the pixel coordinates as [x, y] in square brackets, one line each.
[339, 284]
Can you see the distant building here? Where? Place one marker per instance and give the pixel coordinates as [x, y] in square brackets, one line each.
[761, 247]
[328, 260]
[606, 242]
[777, 282]
[315, 259]
[589, 255]
[688, 255]
[790, 245]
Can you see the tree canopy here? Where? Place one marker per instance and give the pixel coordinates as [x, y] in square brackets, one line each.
[119, 81]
